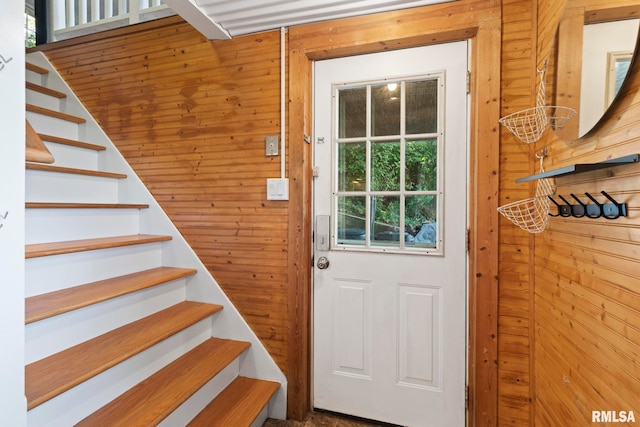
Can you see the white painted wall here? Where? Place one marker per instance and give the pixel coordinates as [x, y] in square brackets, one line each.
[599, 40]
[12, 113]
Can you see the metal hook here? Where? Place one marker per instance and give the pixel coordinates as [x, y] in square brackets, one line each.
[541, 156]
[598, 205]
[565, 210]
[557, 204]
[579, 210]
[613, 210]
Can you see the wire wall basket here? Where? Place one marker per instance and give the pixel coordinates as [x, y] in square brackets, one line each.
[532, 214]
[529, 125]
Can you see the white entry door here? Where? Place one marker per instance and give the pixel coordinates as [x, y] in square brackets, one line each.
[390, 281]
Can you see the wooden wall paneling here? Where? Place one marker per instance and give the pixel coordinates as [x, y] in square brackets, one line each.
[549, 15]
[516, 246]
[582, 360]
[587, 281]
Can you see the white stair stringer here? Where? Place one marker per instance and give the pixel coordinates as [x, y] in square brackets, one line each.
[52, 273]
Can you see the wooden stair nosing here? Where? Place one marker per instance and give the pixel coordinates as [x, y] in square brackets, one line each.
[53, 205]
[51, 304]
[237, 405]
[36, 68]
[71, 142]
[86, 172]
[56, 114]
[151, 401]
[36, 250]
[53, 375]
[45, 90]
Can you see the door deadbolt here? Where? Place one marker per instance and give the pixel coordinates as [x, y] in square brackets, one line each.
[323, 262]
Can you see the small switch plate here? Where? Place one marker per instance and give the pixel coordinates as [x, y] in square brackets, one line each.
[271, 142]
[277, 189]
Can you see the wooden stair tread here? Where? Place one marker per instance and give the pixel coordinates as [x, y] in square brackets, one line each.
[237, 405]
[35, 149]
[87, 172]
[57, 114]
[45, 90]
[35, 250]
[151, 401]
[52, 205]
[36, 68]
[71, 142]
[53, 303]
[53, 375]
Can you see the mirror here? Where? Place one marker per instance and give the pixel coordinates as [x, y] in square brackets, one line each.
[594, 47]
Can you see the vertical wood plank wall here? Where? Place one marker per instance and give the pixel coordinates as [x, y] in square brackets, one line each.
[587, 277]
[191, 117]
[516, 246]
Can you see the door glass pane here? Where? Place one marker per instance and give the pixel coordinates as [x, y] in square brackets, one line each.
[420, 221]
[385, 166]
[421, 165]
[352, 166]
[352, 107]
[385, 221]
[385, 110]
[422, 106]
[387, 175]
[351, 220]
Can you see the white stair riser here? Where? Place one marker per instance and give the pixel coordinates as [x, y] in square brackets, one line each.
[53, 126]
[55, 334]
[33, 77]
[196, 403]
[52, 273]
[40, 99]
[43, 186]
[69, 408]
[73, 157]
[56, 225]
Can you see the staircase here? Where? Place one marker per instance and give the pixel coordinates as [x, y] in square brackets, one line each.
[124, 325]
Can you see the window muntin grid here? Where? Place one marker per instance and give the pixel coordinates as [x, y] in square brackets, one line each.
[388, 153]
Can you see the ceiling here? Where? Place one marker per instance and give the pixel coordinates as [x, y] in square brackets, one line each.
[224, 19]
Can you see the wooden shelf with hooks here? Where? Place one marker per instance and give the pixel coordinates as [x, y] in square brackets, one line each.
[581, 167]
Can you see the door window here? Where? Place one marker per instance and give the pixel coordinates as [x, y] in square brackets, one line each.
[387, 180]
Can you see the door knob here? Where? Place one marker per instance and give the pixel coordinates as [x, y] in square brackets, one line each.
[323, 262]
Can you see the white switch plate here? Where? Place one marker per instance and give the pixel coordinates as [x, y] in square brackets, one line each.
[277, 189]
[271, 142]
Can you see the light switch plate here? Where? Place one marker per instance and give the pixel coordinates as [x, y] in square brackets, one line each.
[277, 189]
[271, 142]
